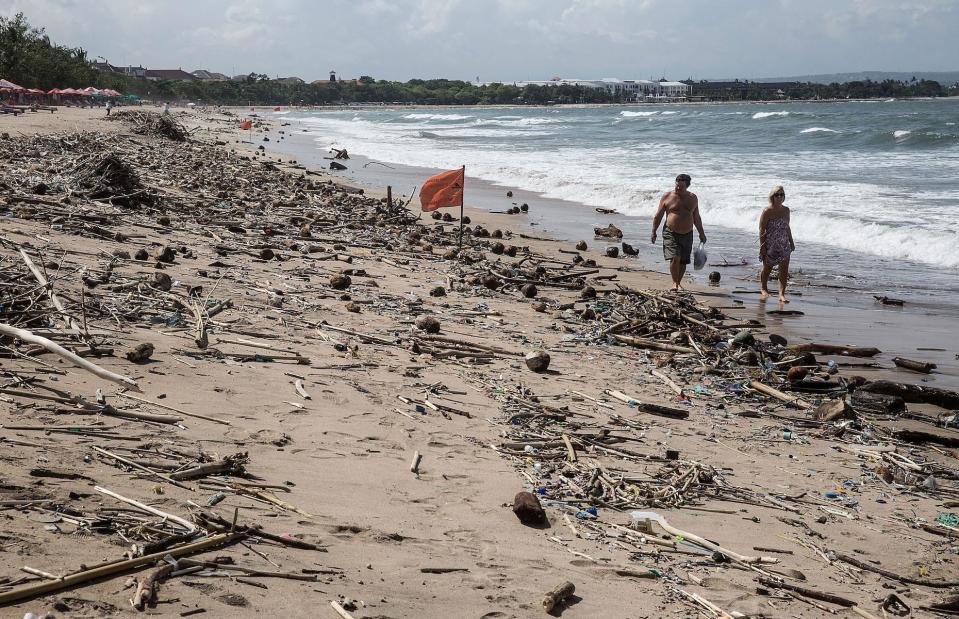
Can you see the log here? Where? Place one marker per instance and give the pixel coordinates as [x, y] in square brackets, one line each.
[653, 409]
[648, 344]
[558, 596]
[60, 351]
[876, 403]
[919, 394]
[833, 349]
[72, 580]
[916, 366]
[917, 436]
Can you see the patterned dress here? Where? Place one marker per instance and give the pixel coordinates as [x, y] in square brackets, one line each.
[778, 247]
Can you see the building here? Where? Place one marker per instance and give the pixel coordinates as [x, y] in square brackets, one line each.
[290, 80]
[738, 90]
[176, 75]
[634, 90]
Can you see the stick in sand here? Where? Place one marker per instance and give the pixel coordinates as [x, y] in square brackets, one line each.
[63, 353]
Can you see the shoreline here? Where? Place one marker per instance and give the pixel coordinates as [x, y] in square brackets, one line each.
[835, 316]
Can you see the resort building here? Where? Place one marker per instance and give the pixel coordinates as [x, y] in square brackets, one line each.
[634, 90]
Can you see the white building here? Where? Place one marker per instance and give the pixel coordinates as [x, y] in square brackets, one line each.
[638, 90]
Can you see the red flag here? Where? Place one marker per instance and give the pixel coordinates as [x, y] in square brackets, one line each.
[443, 190]
[246, 124]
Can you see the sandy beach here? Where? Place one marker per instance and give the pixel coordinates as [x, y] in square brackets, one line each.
[367, 467]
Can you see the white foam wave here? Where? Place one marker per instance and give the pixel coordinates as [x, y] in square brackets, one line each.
[759, 115]
[669, 112]
[420, 116]
[631, 178]
[517, 121]
[819, 130]
[628, 114]
[902, 133]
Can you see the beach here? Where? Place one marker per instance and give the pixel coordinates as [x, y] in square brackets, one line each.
[383, 461]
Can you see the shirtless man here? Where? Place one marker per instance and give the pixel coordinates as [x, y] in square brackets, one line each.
[681, 209]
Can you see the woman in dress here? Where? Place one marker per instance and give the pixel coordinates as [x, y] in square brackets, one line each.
[775, 242]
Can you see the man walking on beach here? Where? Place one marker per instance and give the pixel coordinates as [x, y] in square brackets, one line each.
[681, 208]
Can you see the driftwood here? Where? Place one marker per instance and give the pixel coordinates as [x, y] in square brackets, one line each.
[918, 436]
[112, 569]
[709, 545]
[809, 593]
[915, 393]
[558, 596]
[925, 582]
[916, 366]
[640, 342]
[646, 407]
[779, 395]
[146, 589]
[833, 349]
[876, 403]
[60, 351]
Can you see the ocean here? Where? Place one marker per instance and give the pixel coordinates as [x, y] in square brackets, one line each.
[872, 187]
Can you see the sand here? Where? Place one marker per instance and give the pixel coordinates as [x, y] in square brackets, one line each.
[345, 453]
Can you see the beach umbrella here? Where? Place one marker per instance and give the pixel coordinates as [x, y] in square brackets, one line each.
[5, 85]
[54, 91]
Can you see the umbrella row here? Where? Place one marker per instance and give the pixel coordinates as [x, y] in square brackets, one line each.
[86, 92]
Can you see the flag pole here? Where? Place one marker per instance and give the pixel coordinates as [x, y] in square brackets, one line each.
[462, 201]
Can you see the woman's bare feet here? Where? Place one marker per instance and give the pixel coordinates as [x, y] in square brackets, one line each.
[763, 294]
[783, 299]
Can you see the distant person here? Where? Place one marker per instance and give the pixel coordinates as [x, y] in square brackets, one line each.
[681, 208]
[166, 109]
[109, 107]
[775, 242]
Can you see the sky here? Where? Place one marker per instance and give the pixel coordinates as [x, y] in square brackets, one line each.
[509, 40]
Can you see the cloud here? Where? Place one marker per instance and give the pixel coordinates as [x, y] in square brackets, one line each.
[431, 16]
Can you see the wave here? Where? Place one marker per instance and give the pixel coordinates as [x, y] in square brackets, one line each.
[901, 133]
[516, 121]
[627, 114]
[819, 130]
[420, 116]
[759, 115]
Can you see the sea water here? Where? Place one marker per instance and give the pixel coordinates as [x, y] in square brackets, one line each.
[873, 186]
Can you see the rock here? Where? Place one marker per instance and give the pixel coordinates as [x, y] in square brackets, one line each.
[537, 360]
[612, 252]
[163, 220]
[588, 314]
[490, 282]
[581, 246]
[450, 254]
[140, 353]
[162, 281]
[340, 282]
[524, 207]
[497, 248]
[466, 220]
[121, 253]
[497, 234]
[609, 232]
[509, 194]
[306, 231]
[528, 509]
[714, 277]
[529, 291]
[796, 374]
[267, 254]
[510, 251]
[778, 339]
[743, 338]
[428, 324]
[166, 254]
[141, 254]
[447, 217]
[629, 250]
[353, 307]
[437, 215]
[438, 291]
[539, 307]
[587, 293]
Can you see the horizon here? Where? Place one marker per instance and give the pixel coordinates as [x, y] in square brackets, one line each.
[586, 39]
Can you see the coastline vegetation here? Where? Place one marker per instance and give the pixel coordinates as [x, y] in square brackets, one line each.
[29, 58]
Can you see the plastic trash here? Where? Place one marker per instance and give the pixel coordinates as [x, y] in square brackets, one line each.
[699, 257]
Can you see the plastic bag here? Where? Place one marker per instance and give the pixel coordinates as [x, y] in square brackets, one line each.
[699, 257]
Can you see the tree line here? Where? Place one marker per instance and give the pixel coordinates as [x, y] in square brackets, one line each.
[29, 58]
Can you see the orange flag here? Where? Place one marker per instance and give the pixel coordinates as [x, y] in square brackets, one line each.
[246, 124]
[444, 189]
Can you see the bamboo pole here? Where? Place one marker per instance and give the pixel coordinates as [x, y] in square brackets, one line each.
[78, 578]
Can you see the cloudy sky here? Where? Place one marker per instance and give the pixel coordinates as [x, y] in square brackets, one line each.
[509, 40]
